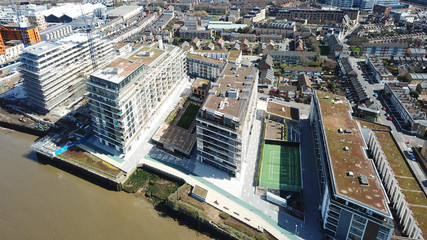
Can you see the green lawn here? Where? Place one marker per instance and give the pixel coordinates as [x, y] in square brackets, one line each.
[188, 117]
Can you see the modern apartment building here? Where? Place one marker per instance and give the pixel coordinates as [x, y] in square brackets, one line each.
[12, 51]
[354, 203]
[56, 31]
[126, 93]
[195, 33]
[396, 49]
[225, 119]
[409, 113]
[36, 18]
[293, 57]
[56, 71]
[28, 35]
[204, 67]
[318, 15]
[380, 73]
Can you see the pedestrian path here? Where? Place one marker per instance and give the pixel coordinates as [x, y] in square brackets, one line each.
[220, 199]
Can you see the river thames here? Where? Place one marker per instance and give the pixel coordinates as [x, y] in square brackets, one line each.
[42, 202]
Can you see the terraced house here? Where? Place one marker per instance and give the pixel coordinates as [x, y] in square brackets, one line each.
[354, 203]
[125, 94]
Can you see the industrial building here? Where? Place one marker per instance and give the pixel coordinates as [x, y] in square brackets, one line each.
[126, 93]
[354, 203]
[225, 119]
[55, 72]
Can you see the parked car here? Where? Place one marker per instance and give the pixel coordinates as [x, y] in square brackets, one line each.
[383, 108]
[389, 118]
[387, 115]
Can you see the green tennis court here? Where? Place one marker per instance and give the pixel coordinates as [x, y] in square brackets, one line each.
[281, 168]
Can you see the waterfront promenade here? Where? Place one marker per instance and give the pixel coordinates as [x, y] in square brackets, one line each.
[224, 201]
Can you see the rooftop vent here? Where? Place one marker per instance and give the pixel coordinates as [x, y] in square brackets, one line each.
[221, 105]
[345, 149]
[145, 54]
[363, 180]
[347, 131]
[350, 174]
[326, 97]
[340, 130]
[283, 109]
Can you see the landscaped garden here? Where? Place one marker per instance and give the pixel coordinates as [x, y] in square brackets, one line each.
[188, 116]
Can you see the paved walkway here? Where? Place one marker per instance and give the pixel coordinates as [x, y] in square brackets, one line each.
[226, 202]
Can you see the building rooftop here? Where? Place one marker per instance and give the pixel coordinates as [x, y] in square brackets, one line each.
[200, 83]
[146, 55]
[41, 48]
[118, 70]
[229, 95]
[203, 58]
[346, 154]
[283, 111]
[123, 10]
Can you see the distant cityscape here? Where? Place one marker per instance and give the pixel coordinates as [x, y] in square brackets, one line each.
[295, 119]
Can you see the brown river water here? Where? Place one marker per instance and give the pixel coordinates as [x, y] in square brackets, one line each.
[42, 202]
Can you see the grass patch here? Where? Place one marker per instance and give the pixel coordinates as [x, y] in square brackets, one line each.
[408, 183]
[421, 215]
[188, 116]
[78, 155]
[224, 215]
[324, 50]
[393, 155]
[415, 197]
[171, 117]
[356, 50]
[136, 181]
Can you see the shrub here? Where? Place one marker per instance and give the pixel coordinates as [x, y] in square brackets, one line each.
[224, 215]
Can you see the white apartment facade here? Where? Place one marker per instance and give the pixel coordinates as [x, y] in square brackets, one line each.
[13, 50]
[204, 67]
[54, 72]
[225, 119]
[125, 94]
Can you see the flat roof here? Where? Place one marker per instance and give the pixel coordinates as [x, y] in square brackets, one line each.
[335, 115]
[117, 70]
[234, 79]
[41, 48]
[147, 60]
[413, 193]
[175, 137]
[283, 111]
[203, 58]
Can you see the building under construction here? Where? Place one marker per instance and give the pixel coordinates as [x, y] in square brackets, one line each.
[56, 72]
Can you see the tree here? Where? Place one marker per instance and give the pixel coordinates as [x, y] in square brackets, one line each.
[331, 85]
[314, 64]
[414, 94]
[312, 44]
[200, 13]
[329, 64]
